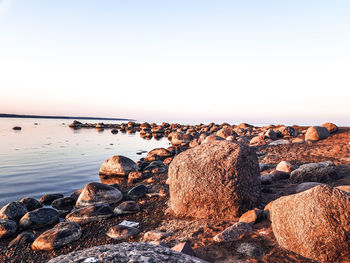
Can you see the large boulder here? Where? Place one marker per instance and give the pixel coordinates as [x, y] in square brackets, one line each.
[214, 180]
[125, 253]
[316, 133]
[314, 223]
[331, 127]
[98, 193]
[314, 172]
[118, 165]
[62, 234]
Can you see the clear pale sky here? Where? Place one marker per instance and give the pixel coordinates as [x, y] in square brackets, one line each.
[256, 61]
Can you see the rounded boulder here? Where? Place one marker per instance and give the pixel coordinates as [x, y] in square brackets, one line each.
[214, 180]
[118, 165]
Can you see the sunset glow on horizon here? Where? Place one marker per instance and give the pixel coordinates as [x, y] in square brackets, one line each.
[186, 61]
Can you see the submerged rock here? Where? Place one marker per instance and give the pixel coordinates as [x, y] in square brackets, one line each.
[98, 193]
[214, 180]
[127, 252]
[118, 165]
[62, 234]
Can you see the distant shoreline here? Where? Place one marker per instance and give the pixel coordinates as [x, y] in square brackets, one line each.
[61, 117]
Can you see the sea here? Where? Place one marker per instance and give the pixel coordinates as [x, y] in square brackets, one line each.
[46, 156]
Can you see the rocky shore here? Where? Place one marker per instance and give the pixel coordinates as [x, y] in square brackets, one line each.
[219, 193]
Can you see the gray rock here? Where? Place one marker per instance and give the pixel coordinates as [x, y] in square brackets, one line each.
[250, 250]
[279, 142]
[13, 211]
[126, 253]
[31, 203]
[137, 192]
[306, 186]
[7, 228]
[118, 165]
[22, 239]
[39, 218]
[65, 203]
[214, 180]
[90, 214]
[316, 133]
[62, 234]
[49, 198]
[127, 207]
[119, 232]
[234, 232]
[314, 172]
[98, 193]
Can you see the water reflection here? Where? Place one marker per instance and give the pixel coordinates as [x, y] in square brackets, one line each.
[112, 179]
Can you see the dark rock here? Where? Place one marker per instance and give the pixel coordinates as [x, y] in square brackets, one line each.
[134, 176]
[65, 203]
[316, 133]
[114, 131]
[97, 193]
[252, 216]
[17, 128]
[331, 127]
[127, 252]
[49, 198]
[122, 232]
[7, 228]
[118, 165]
[31, 203]
[75, 195]
[62, 234]
[39, 218]
[90, 214]
[22, 239]
[127, 207]
[184, 247]
[314, 172]
[314, 223]
[214, 180]
[138, 191]
[250, 250]
[13, 211]
[234, 232]
[306, 186]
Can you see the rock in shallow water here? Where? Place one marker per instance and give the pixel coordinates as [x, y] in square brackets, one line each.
[7, 228]
[97, 193]
[31, 203]
[126, 253]
[13, 211]
[39, 218]
[314, 223]
[62, 234]
[118, 165]
[90, 213]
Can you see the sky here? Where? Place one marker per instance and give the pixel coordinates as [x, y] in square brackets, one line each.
[231, 61]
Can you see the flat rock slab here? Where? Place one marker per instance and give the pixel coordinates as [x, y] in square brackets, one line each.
[39, 217]
[90, 214]
[126, 253]
[62, 234]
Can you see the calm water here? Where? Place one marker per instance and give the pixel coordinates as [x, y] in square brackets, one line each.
[50, 157]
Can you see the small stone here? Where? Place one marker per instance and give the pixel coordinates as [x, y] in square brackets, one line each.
[138, 191]
[90, 214]
[122, 232]
[13, 211]
[22, 239]
[251, 216]
[31, 203]
[127, 207]
[65, 203]
[250, 250]
[134, 176]
[62, 234]
[284, 166]
[184, 247]
[279, 142]
[49, 198]
[234, 232]
[39, 218]
[155, 235]
[7, 228]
